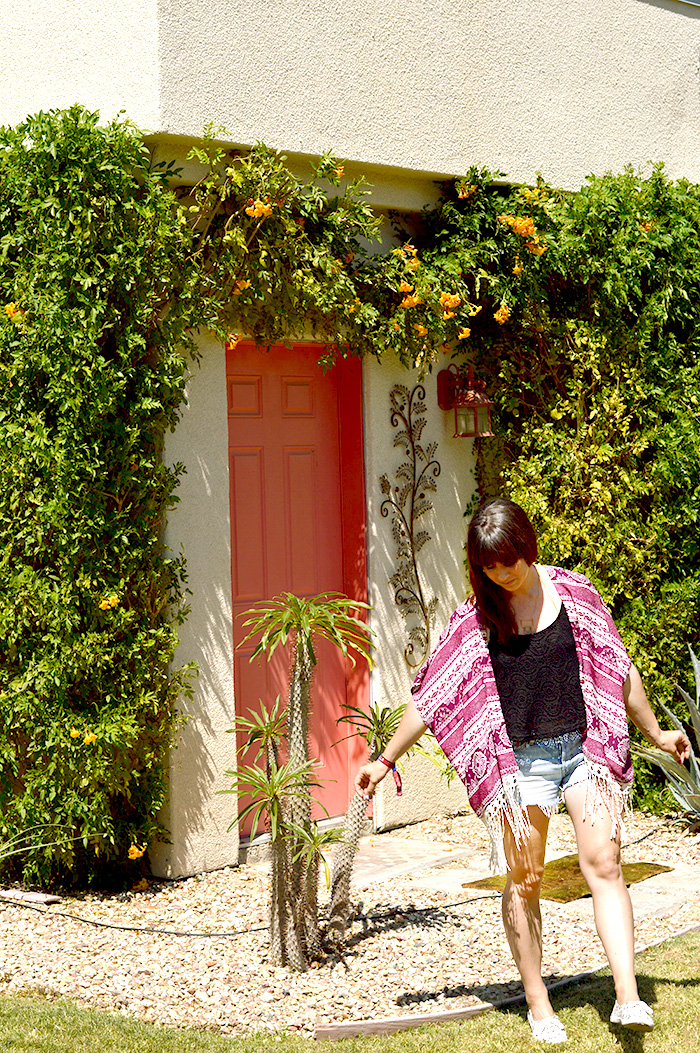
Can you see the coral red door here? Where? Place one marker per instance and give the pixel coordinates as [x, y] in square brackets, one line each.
[298, 525]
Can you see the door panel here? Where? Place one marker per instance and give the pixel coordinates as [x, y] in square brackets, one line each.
[297, 525]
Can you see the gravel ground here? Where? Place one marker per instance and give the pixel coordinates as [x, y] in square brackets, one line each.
[418, 949]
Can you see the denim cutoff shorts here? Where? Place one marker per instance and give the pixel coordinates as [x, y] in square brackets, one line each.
[548, 767]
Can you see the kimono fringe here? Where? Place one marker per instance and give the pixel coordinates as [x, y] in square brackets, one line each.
[602, 791]
[507, 807]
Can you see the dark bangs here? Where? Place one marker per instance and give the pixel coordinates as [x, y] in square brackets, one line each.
[486, 551]
[500, 532]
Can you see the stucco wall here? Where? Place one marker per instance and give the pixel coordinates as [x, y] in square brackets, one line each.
[100, 53]
[196, 816]
[440, 565]
[521, 86]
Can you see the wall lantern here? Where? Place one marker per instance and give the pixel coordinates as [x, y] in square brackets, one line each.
[468, 398]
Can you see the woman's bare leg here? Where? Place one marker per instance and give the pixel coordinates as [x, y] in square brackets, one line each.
[599, 859]
[521, 910]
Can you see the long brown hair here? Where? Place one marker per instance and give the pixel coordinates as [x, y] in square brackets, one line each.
[500, 532]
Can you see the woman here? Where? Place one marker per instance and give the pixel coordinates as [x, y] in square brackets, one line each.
[528, 693]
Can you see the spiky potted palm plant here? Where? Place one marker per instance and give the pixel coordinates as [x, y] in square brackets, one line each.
[297, 842]
[684, 782]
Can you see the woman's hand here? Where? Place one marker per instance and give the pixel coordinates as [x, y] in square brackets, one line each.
[368, 778]
[676, 743]
[410, 729]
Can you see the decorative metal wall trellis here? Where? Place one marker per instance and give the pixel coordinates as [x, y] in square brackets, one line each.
[406, 502]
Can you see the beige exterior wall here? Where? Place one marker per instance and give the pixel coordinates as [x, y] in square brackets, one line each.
[521, 86]
[440, 565]
[197, 817]
[102, 54]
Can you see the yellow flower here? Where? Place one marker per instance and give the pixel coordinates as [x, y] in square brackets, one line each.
[136, 851]
[259, 210]
[518, 268]
[502, 314]
[351, 308]
[535, 248]
[113, 600]
[464, 333]
[232, 340]
[105, 605]
[89, 738]
[410, 249]
[420, 329]
[74, 733]
[466, 191]
[474, 311]
[240, 286]
[405, 287]
[339, 172]
[450, 300]
[446, 315]
[410, 301]
[412, 265]
[11, 310]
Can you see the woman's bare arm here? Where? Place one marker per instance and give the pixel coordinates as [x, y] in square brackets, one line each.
[642, 716]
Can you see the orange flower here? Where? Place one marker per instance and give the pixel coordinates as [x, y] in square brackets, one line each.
[259, 210]
[518, 268]
[523, 225]
[339, 172]
[232, 340]
[410, 249]
[502, 314]
[410, 301]
[240, 286]
[535, 248]
[405, 287]
[464, 333]
[396, 325]
[136, 851]
[446, 315]
[412, 265]
[450, 300]
[420, 329]
[466, 191]
[89, 738]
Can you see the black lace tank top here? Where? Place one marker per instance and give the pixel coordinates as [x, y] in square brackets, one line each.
[537, 676]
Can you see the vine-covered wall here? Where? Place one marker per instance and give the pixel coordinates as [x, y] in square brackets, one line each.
[579, 309]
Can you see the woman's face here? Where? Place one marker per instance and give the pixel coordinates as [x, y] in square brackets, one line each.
[513, 578]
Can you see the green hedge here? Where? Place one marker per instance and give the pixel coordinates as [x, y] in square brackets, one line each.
[91, 253]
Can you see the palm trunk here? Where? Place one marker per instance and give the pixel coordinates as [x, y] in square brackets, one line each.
[342, 871]
[300, 807]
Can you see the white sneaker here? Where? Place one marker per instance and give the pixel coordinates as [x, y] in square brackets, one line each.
[637, 1016]
[549, 1030]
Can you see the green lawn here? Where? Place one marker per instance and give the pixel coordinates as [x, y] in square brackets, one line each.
[668, 979]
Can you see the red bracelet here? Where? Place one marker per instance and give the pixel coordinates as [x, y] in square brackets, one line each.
[394, 772]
